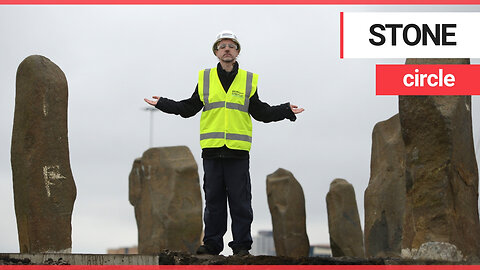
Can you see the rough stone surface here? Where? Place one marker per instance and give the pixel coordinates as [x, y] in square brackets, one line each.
[182, 258]
[385, 195]
[165, 190]
[437, 251]
[346, 238]
[441, 169]
[287, 207]
[135, 185]
[79, 259]
[44, 189]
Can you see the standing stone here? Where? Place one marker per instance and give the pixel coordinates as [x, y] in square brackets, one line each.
[287, 207]
[165, 191]
[385, 194]
[135, 186]
[441, 169]
[346, 237]
[44, 190]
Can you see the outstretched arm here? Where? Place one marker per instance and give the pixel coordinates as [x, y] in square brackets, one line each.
[263, 112]
[185, 108]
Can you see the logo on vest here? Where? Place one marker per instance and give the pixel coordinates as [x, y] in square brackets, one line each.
[237, 93]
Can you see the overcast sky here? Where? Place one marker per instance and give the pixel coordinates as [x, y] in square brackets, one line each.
[114, 56]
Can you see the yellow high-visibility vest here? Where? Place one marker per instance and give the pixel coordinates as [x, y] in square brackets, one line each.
[225, 119]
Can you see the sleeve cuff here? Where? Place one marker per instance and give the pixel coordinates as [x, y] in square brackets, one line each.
[159, 103]
[289, 113]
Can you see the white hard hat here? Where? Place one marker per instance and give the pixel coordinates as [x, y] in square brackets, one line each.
[225, 34]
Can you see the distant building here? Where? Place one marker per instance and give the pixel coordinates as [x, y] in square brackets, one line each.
[123, 250]
[320, 251]
[263, 244]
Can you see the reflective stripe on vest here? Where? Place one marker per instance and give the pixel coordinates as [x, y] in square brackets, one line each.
[225, 120]
[235, 106]
[228, 136]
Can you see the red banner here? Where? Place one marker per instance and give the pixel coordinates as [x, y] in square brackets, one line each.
[427, 79]
[239, 2]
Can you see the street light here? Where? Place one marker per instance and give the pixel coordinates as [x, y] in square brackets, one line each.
[152, 110]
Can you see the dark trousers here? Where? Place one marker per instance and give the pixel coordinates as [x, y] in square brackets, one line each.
[227, 180]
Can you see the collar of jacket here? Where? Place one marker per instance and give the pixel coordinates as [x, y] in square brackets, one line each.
[226, 78]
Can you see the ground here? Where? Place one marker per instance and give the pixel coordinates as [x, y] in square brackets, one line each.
[182, 258]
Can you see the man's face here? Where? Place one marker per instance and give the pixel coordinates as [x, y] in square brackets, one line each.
[227, 51]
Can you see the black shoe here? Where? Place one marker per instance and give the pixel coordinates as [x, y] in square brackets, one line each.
[206, 250]
[241, 252]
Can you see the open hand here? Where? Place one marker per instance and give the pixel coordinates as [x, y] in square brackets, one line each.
[295, 109]
[152, 102]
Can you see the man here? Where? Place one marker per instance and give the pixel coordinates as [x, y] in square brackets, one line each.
[228, 96]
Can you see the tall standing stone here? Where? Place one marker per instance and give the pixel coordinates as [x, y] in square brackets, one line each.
[346, 237]
[287, 207]
[165, 191]
[135, 186]
[385, 194]
[44, 190]
[441, 169]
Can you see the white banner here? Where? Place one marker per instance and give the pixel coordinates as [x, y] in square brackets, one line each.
[410, 35]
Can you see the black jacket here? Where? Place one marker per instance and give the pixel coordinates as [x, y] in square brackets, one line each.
[259, 110]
